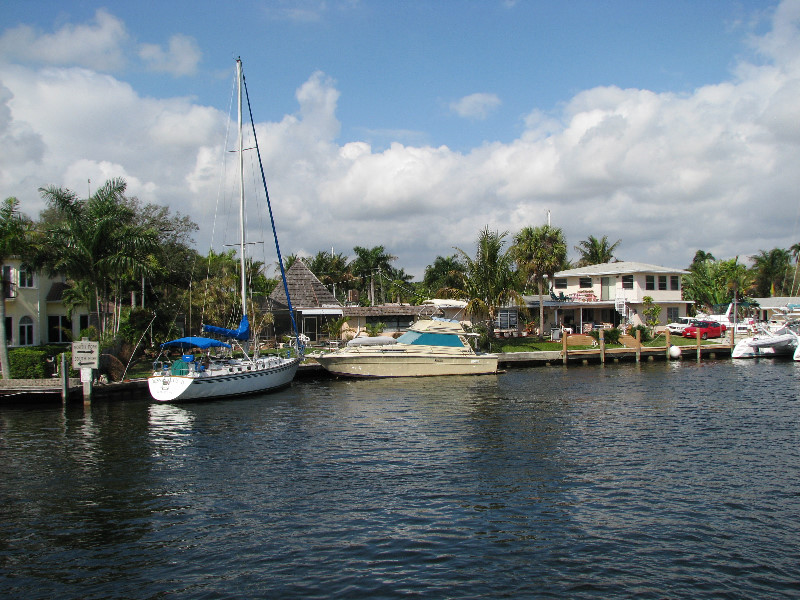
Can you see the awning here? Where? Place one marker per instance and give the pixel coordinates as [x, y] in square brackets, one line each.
[310, 312]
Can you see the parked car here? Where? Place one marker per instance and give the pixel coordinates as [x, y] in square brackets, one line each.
[681, 324]
[708, 329]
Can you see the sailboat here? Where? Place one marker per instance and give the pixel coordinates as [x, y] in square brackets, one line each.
[207, 377]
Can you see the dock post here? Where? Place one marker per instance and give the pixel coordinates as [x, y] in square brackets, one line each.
[668, 344]
[697, 333]
[64, 378]
[602, 337]
[564, 348]
[638, 345]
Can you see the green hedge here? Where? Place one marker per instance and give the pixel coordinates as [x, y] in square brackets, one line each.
[27, 363]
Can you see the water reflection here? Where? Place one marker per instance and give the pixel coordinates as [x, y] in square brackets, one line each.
[653, 480]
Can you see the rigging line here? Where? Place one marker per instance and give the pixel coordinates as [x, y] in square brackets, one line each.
[271, 218]
[220, 192]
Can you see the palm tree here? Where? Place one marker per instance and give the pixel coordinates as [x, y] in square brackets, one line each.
[596, 252]
[15, 229]
[445, 272]
[771, 270]
[489, 281]
[712, 283]
[540, 252]
[98, 240]
[368, 262]
[330, 268]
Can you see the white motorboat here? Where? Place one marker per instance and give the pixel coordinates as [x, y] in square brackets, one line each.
[767, 343]
[430, 347]
[188, 378]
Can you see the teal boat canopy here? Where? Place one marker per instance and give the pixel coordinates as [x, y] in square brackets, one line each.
[417, 338]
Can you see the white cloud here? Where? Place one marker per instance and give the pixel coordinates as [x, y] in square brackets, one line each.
[98, 45]
[475, 106]
[179, 59]
[665, 173]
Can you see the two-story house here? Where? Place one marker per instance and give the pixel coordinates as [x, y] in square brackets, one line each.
[610, 294]
[35, 312]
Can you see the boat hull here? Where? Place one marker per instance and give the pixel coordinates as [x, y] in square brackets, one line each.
[407, 365]
[765, 346]
[183, 388]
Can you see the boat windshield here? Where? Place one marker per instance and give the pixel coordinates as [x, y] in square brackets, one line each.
[417, 338]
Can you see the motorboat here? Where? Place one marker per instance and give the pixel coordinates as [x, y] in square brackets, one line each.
[430, 347]
[768, 343]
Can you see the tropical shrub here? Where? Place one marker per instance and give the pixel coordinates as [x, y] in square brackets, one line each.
[27, 363]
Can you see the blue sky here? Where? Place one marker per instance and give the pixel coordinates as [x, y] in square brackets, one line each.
[414, 124]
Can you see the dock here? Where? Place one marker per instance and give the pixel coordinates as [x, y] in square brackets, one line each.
[31, 391]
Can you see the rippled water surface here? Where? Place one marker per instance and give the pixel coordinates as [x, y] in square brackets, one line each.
[663, 480]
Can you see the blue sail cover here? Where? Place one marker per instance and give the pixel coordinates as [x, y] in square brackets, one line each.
[242, 334]
[195, 342]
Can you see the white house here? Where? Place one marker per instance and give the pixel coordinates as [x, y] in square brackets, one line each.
[35, 312]
[608, 294]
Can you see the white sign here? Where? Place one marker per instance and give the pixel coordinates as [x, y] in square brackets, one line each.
[85, 355]
[86, 375]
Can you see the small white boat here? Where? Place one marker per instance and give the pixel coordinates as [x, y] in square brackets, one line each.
[766, 343]
[208, 377]
[430, 347]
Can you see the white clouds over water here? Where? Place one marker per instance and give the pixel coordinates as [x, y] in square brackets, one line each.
[668, 173]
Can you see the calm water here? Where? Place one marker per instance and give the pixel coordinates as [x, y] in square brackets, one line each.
[665, 480]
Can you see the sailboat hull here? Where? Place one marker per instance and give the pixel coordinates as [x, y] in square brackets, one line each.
[239, 381]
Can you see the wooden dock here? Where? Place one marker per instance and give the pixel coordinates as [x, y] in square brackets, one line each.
[31, 391]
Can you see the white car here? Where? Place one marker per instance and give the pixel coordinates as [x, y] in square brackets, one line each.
[682, 323]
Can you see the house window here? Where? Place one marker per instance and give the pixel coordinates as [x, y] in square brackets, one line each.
[26, 331]
[9, 330]
[506, 318]
[8, 282]
[83, 322]
[25, 278]
[59, 329]
[560, 283]
[627, 282]
[649, 282]
[674, 282]
[585, 282]
[673, 314]
[662, 282]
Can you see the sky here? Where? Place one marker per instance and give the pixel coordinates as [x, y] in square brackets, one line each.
[671, 126]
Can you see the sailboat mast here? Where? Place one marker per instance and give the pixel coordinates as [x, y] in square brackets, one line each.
[241, 189]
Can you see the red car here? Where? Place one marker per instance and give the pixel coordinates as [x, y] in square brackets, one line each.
[708, 329]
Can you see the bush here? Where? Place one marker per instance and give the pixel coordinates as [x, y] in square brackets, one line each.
[27, 363]
[645, 333]
[611, 336]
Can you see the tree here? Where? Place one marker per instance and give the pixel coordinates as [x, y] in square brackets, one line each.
[540, 252]
[651, 312]
[368, 262]
[445, 272]
[771, 269]
[596, 252]
[489, 281]
[331, 269]
[711, 283]
[97, 241]
[15, 229]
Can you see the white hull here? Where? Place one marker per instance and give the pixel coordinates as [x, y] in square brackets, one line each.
[406, 364]
[235, 380]
[784, 344]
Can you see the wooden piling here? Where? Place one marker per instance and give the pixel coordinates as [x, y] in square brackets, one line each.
[699, 353]
[602, 339]
[638, 345]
